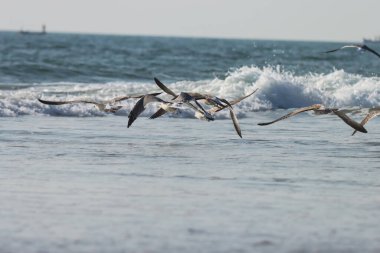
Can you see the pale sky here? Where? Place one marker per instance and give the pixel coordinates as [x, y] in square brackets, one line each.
[328, 20]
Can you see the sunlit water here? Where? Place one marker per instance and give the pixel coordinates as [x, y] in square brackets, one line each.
[73, 179]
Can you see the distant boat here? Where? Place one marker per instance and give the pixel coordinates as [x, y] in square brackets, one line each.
[43, 32]
[374, 40]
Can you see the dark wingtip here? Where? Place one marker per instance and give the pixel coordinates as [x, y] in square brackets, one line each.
[155, 93]
[130, 121]
[156, 80]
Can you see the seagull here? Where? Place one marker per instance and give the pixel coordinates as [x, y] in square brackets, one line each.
[358, 46]
[293, 113]
[235, 121]
[186, 98]
[102, 106]
[319, 108]
[218, 103]
[141, 104]
[372, 114]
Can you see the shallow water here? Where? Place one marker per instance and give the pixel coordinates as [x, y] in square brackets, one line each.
[91, 185]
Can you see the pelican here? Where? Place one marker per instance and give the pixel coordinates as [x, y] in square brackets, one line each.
[358, 46]
[372, 114]
[321, 110]
[102, 106]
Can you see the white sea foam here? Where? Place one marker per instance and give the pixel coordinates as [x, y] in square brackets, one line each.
[277, 89]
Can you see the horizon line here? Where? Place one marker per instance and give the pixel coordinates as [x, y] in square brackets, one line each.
[179, 36]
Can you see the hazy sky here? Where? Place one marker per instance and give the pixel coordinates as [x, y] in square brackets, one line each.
[339, 20]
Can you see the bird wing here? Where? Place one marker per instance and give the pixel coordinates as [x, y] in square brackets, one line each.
[233, 102]
[164, 88]
[100, 106]
[49, 102]
[136, 111]
[140, 107]
[352, 123]
[235, 122]
[346, 46]
[121, 98]
[367, 118]
[159, 113]
[242, 98]
[370, 50]
[303, 109]
[334, 50]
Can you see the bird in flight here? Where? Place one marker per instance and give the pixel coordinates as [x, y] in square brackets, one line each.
[372, 114]
[319, 108]
[357, 46]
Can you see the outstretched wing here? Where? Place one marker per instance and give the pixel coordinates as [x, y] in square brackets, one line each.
[100, 106]
[367, 118]
[370, 50]
[164, 88]
[352, 123]
[140, 107]
[334, 50]
[159, 113]
[242, 98]
[346, 46]
[235, 122]
[293, 113]
[121, 98]
[49, 102]
[233, 102]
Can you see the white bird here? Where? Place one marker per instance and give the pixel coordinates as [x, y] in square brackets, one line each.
[358, 46]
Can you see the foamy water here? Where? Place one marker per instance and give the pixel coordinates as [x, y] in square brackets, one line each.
[276, 89]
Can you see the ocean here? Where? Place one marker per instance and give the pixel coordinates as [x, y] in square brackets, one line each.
[76, 179]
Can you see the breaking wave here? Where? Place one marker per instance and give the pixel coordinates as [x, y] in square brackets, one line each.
[277, 88]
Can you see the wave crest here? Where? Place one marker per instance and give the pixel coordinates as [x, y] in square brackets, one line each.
[277, 89]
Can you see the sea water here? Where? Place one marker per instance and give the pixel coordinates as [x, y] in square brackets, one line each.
[75, 179]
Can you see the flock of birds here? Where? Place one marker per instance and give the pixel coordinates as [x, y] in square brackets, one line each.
[215, 104]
